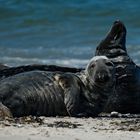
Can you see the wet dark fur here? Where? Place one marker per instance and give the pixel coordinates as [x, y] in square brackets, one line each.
[6, 71]
[127, 94]
[57, 93]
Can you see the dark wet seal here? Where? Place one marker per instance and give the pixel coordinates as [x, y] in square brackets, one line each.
[41, 93]
[6, 71]
[3, 66]
[127, 94]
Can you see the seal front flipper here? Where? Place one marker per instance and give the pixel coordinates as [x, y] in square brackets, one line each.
[71, 93]
[115, 38]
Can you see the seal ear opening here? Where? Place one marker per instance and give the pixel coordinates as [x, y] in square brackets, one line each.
[115, 37]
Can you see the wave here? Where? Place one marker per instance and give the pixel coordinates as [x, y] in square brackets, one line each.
[78, 57]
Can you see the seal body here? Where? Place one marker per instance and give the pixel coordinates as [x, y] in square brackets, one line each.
[32, 93]
[126, 98]
[58, 93]
[6, 71]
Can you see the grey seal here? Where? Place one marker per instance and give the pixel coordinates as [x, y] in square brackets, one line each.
[126, 98]
[7, 71]
[59, 93]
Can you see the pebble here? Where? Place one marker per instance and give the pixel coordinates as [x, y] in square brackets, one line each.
[114, 114]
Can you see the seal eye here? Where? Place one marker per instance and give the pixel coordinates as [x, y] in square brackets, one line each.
[109, 64]
[92, 66]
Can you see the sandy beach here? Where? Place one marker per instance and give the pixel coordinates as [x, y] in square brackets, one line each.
[67, 128]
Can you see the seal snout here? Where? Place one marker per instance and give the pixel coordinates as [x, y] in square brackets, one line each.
[117, 28]
[101, 70]
[102, 77]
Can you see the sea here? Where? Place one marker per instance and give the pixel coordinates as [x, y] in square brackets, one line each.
[63, 32]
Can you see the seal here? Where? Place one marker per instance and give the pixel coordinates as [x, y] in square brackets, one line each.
[7, 71]
[126, 98]
[42, 93]
[3, 66]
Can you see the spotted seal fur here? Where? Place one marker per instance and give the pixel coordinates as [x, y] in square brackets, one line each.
[58, 93]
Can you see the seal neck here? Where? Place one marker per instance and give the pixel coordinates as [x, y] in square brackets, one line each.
[94, 92]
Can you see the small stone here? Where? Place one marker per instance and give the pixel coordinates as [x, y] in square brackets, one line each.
[127, 115]
[7, 124]
[114, 114]
[18, 125]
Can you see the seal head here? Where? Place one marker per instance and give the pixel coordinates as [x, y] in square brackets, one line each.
[99, 71]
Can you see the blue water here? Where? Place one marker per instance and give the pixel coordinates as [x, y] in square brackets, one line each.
[63, 32]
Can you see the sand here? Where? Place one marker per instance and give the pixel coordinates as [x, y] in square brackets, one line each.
[69, 128]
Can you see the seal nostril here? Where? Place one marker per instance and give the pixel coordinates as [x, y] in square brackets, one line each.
[102, 77]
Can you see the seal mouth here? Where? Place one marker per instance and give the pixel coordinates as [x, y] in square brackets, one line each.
[102, 82]
[102, 79]
[116, 30]
[116, 37]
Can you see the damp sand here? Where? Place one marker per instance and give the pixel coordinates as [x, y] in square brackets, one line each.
[69, 128]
